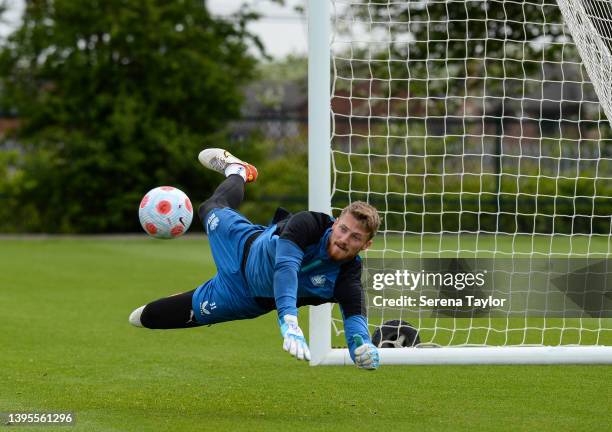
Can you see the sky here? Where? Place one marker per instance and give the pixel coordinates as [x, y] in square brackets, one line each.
[281, 29]
[11, 17]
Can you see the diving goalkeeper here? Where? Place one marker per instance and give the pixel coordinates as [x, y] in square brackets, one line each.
[303, 259]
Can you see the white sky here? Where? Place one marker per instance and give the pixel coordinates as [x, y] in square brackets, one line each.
[281, 30]
[11, 17]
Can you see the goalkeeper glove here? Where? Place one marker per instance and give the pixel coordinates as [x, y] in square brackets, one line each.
[294, 342]
[366, 354]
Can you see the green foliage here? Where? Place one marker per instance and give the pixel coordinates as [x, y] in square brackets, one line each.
[10, 180]
[290, 68]
[116, 97]
[283, 182]
[452, 183]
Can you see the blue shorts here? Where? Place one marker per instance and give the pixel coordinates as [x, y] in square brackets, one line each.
[226, 296]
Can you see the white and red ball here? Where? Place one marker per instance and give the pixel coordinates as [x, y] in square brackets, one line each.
[165, 212]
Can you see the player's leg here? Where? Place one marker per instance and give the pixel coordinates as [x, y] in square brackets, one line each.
[166, 313]
[228, 231]
[225, 297]
[213, 302]
[230, 193]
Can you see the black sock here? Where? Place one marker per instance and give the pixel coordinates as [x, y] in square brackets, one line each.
[170, 313]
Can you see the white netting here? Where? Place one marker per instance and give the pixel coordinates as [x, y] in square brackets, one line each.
[475, 130]
[590, 23]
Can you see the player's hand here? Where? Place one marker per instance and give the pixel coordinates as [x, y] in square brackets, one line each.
[294, 342]
[366, 354]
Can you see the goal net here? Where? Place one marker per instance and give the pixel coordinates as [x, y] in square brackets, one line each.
[478, 129]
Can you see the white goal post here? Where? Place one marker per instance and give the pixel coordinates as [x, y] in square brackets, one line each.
[478, 132]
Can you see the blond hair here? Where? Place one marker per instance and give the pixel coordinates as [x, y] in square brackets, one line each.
[365, 214]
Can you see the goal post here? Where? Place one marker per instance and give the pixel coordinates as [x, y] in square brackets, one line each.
[481, 136]
[319, 147]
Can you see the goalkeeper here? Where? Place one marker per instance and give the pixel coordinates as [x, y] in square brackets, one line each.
[303, 259]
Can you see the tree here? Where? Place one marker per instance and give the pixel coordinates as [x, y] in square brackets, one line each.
[115, 97]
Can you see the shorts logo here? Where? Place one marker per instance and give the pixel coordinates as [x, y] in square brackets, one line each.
[205, 311]
[212, 222]
[318, 280]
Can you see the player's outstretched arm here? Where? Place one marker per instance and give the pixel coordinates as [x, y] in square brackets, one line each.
[293, 338]
[300, 231]
[288, 259]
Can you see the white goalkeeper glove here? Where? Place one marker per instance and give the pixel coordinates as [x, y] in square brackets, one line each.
[293, 338]
[366, 354]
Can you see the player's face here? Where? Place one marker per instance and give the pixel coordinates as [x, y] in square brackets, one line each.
[347, 238]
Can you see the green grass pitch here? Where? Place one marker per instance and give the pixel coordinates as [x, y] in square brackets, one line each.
[67, 345]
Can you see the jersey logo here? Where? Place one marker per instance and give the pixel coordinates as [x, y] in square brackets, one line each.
[205, 311]
[212, 222]
[318, 280]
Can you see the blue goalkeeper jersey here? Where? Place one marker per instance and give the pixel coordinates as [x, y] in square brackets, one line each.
[281, 266]
[288, 266]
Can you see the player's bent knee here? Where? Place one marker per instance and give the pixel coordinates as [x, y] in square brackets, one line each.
[210, 204]
[135, 317]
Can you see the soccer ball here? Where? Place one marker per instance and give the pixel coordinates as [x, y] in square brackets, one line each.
[165, 212]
